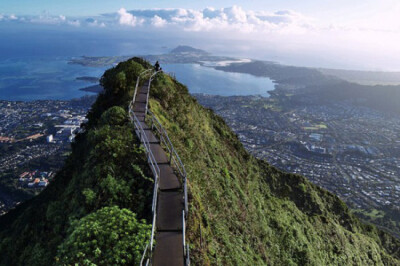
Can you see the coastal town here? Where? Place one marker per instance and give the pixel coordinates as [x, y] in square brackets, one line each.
[351, 151]
[35, 137]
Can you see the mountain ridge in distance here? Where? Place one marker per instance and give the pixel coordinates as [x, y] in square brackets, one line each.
[181, 49]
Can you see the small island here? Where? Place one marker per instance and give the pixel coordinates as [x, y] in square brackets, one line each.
[88, 79]
[95, 88]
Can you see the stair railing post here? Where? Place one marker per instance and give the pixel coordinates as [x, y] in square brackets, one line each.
[183, 233]
[185, 192]
[187, 255]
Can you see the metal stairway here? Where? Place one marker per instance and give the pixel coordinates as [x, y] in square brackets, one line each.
[170, 205]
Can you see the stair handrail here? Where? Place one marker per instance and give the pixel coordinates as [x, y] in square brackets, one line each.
[156, 173]
[174, 157]
[179, 166]
[148, 89]
[146, 143]
[137, 82]
[155, 123]
[144, 254]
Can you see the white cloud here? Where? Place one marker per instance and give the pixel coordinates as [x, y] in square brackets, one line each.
[95, 23]
[75, 23]
[235, 14]
[46, 18]
[126, 18]
[281, 32]
[158, 21]
[233, 18]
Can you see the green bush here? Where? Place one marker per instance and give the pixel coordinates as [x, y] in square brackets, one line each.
[115, 116]
[109, 236]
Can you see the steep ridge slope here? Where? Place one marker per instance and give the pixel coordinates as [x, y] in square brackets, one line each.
[242, 211]
[91, 212]
[246, 212]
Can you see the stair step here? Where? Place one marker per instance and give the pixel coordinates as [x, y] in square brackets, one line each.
[169, 249]
[169, 211]
[143, 90]
[151, 137]
[168, 179]
[139, 107]
[141, 98]
[140, 116]
[144, 126]
[159, 154]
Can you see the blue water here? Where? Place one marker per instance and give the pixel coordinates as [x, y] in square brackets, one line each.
[50, 78]
[202, 79]
[33, 63]
[33, 58]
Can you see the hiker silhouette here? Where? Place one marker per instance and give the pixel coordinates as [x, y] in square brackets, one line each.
[157, 66]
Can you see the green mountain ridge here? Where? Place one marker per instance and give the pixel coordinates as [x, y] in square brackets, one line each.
[181, 49]
[242, 211]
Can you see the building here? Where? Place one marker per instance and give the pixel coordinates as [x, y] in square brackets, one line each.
[49, 138]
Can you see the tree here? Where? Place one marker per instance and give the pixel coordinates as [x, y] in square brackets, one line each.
[120, 82]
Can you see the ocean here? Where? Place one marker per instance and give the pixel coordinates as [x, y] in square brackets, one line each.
[34, 65]
[52, 78]
[39, 78]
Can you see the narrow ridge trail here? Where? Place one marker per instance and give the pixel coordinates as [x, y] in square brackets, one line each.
[170, 195]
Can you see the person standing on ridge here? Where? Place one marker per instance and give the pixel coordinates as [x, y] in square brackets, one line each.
[157, 66]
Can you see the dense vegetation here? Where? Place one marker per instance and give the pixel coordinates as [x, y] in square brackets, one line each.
[242, 211]
[104, 182]
[109, 236]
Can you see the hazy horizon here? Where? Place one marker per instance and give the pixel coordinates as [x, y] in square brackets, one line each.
[362, 35]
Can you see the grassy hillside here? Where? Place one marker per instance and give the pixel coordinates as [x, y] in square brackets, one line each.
[242, 211]
[245, 212]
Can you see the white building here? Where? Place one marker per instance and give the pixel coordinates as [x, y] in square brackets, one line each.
[49, 138]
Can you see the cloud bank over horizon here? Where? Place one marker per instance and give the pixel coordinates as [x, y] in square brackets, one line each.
[211, 19]
[285, 32]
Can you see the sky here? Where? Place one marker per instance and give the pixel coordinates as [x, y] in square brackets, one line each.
[361, 34]
[342, 10]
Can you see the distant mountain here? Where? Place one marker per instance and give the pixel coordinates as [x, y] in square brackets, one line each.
[316, 85]
[183, 49]
[365, 77]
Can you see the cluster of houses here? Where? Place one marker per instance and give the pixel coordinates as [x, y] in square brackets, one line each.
[67, 131]
[35, 179]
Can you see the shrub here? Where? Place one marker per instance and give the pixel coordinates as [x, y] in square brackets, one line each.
[109, 236]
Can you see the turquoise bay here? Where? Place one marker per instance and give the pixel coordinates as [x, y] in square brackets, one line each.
[207, 80]
[52, 78]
